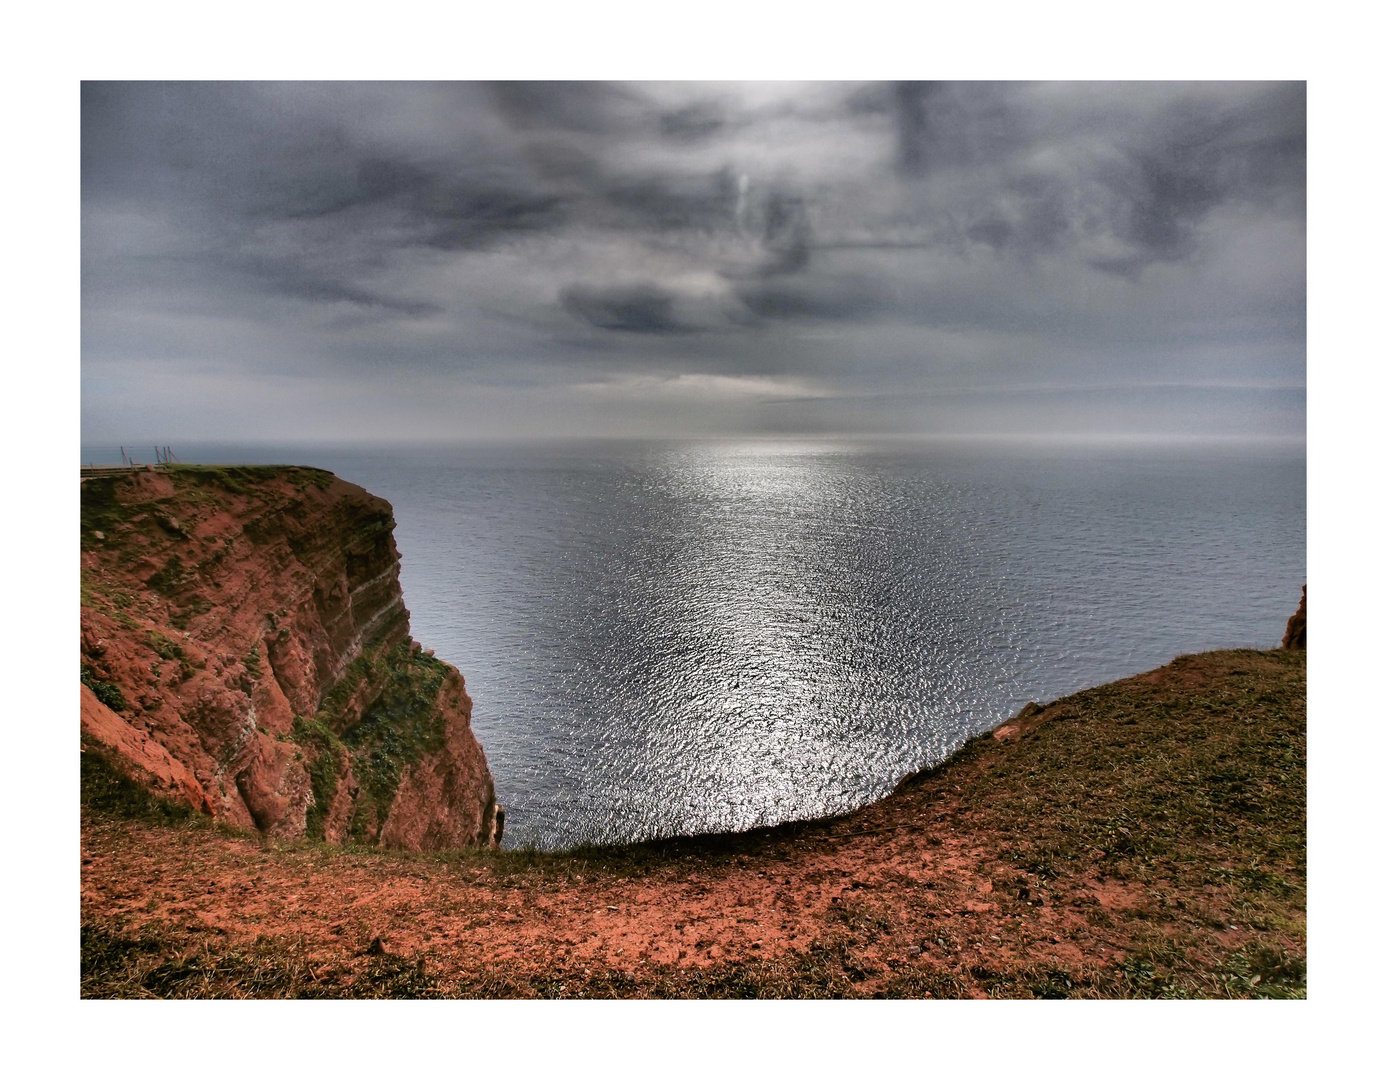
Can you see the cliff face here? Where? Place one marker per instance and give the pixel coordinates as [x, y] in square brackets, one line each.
[246, 649]
[1295, 626]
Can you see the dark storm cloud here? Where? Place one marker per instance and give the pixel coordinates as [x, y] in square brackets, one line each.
[585, 107]
[814, 233]
[1147, 187]
[460, 218]
[785, 234]
[947, 125]
[693, 122]
[306, 203]
[811, 299]
[701, 202]
[429, 206]
[640, 309]
[1164, 190]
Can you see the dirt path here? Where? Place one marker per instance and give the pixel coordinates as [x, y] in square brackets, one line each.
[1032, 865]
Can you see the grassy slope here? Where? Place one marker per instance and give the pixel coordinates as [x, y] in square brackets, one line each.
[1146, 840]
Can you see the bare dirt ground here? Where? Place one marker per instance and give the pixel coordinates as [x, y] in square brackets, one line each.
[1143, 839]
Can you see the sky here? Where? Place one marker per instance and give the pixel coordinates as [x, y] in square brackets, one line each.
[394, 261]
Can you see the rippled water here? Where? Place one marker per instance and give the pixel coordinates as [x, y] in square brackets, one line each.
[679, 637]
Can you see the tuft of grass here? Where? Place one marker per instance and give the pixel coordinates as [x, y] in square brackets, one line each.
[107, 789]
[102, 510]
[166, 649]
[1263, 971]
[170, 578]
[108, 693]
[160, 961]
[1144, 978]
[163, 647]
[327, 756]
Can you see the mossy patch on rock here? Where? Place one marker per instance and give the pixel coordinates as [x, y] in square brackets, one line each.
[326, 757]
[108, 693]
[401, 725]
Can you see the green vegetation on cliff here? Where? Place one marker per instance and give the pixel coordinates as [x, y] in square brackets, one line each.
[401, 725]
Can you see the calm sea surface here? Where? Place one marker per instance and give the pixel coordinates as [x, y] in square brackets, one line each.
[696, 636]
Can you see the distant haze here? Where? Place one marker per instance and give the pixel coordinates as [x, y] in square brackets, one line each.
[388, 261]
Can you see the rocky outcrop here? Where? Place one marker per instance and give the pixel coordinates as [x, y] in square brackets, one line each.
[1295, 626]
[246, 650]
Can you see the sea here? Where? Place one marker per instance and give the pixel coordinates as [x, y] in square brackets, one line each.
[691, 636]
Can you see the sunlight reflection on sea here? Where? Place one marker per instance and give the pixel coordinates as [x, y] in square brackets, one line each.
[694, 636]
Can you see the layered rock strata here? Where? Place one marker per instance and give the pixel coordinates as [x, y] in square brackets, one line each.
[246, 650]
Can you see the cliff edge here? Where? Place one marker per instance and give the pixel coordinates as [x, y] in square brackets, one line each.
[246, 651]
[1295, 626]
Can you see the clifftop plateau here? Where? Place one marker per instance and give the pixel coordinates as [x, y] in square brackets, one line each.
[246, 651]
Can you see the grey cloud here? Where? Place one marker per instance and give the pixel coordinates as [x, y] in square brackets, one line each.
[802, 298]
[411, 204]
[701, 202]
[1164, 191]
[640, 309]
[294, 282]
[584, 107]
[693, 122]
[470, 218]
[303, 203]
[947, 125]
[1140, 186]
[870, 100]
[786, 234]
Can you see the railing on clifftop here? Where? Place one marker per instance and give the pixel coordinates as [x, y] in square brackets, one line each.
[163, 455]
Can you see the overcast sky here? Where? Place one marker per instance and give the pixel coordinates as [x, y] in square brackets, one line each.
[351, 261]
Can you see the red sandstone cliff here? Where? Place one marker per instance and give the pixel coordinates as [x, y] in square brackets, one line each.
[1295, 626]
[246, 650]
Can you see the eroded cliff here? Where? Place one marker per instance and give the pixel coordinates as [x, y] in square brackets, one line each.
[246, 650]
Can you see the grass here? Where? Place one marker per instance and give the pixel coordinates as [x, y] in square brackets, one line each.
[107, 504]
[1221, 803]
[108, 693]
[102, 511]
[163, 962]
[244, 479]
[401, 725]
[168, 580]
[108, 790]
[166, 961]
[327, 756]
